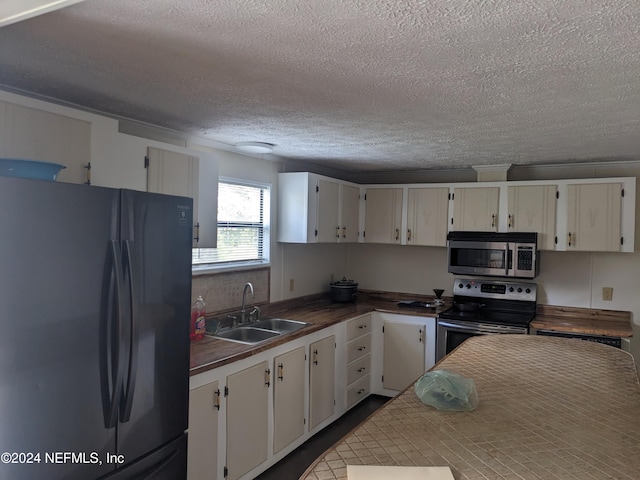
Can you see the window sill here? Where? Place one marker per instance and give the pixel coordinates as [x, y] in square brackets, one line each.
[236, 267]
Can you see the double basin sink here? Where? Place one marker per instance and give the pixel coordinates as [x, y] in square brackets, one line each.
[259, 331]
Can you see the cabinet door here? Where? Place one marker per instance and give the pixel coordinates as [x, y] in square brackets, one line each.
[594, 217]
[204, 407]
[288, 398]
[427, 215]
[403, 354]
[321, 380]
[350, 213]
[38, 135]
[532, 208]
[476, 209]
[328, 226]
[383, 215]
[247, 414]
[175, 173]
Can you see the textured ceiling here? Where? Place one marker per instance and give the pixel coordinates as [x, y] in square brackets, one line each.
[355, 85]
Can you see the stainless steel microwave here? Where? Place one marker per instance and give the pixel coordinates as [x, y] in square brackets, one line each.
[494, 254]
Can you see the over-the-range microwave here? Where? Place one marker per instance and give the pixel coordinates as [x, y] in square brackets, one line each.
[494, 254]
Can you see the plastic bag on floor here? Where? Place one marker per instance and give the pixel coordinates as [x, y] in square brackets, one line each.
[446, 390]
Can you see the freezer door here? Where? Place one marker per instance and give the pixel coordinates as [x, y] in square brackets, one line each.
[166, 463]
[156, 242]
[57, 243]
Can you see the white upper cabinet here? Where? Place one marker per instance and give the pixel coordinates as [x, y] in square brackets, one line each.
[427, 216]
[316, 209]
[32, 134]
[383, 215]
[594, 217]
[532, 208]
[175, 173]
[328, 209]
[476, 209]
[350, 213]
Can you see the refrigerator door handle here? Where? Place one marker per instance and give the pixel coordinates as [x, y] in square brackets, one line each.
[125, 414]
[113, 353]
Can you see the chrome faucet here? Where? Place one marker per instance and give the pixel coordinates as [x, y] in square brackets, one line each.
[247, 286]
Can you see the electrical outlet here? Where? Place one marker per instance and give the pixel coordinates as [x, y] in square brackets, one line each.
[607, 294]
[291, 284]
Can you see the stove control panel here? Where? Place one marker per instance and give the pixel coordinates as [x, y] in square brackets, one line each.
[507, 290]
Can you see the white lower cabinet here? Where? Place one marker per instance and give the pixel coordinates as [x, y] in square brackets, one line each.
[322, 380]
[247, 415]
[358, 358]
[404, 348]
[288, 398]
[204, 409]
[247, 419]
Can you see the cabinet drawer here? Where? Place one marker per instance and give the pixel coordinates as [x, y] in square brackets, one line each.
[358, 391]
[358, 369]
[358, 348]
[358, 326]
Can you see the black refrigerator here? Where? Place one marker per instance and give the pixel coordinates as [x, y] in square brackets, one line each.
[95, 293]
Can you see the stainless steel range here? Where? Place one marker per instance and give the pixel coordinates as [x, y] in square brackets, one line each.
[485, 307]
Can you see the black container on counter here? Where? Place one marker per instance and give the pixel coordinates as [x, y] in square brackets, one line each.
[344, 290]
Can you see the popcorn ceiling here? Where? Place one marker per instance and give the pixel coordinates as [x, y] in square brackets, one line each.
[360, 85]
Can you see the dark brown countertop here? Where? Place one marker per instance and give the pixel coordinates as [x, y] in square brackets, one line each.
[590, 321]
[318, 310]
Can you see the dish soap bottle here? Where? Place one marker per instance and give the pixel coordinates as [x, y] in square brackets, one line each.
[198, 313]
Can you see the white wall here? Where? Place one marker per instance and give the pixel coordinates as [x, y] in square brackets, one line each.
[567, 278]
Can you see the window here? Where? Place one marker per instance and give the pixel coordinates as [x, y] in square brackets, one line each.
[243, 226]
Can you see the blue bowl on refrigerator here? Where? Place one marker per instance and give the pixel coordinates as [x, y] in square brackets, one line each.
[13, 167]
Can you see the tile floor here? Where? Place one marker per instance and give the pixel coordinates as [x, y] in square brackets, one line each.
[294, 464]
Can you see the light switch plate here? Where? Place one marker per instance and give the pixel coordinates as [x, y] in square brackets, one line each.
[607, 294]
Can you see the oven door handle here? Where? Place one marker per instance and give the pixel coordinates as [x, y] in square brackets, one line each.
[461, 328]
[482, 328]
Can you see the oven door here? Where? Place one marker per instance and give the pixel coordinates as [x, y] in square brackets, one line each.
[480, 258]
[451, 333]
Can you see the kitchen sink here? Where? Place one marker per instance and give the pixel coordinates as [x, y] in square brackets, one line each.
[260, 331]
[246, 334]
[282, 325]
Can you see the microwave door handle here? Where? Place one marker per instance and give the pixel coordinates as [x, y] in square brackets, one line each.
[506, 259]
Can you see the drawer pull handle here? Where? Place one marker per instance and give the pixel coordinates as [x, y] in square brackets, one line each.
[360, 349]
[361, 369]
[361, 391]
[362, 326]
[216, 403]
